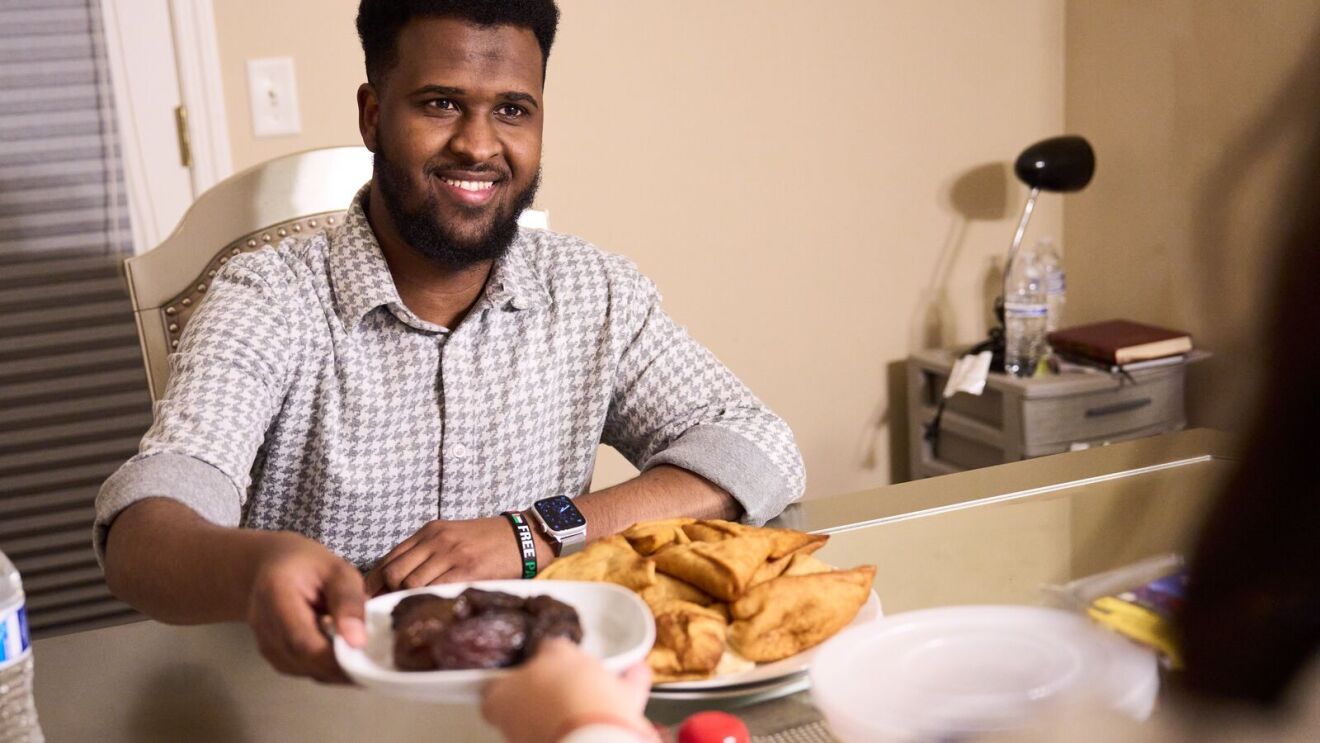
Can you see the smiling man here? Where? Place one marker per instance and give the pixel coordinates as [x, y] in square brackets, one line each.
[418, 395]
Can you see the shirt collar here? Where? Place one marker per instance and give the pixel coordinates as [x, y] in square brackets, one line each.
[363, 282]
[362, 279]
[514, 282]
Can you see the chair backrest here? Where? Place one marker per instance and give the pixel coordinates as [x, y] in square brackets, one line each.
[296, 195]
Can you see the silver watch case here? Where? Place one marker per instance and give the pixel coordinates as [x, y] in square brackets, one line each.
[567, 541]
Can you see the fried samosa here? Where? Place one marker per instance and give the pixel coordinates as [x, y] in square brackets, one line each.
[689, 641]
[722, 569]
[650, 537]
[787, 615]
[608, 560]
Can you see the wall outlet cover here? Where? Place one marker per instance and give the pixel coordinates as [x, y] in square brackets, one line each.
[273, 94]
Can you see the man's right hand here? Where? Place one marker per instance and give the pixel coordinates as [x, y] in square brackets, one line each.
[171, 564]
[295, 583]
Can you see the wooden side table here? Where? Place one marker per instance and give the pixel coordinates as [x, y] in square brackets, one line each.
[1018, 418]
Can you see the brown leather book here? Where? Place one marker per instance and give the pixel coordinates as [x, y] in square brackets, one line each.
[1120, 341]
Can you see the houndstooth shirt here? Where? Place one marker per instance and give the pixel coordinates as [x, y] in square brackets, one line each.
[305, 396]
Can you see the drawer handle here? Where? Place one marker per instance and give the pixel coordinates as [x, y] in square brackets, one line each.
[1118, 407]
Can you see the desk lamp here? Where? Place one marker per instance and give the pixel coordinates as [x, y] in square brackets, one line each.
[1059, 165]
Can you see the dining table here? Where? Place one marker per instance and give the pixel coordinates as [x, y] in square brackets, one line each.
[997, 535]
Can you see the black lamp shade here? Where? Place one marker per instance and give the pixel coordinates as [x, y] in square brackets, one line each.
[1057, 164]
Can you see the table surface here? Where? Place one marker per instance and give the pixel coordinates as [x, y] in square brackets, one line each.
[995, 535]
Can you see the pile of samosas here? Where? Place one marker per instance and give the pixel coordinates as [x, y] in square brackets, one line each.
[724, 595]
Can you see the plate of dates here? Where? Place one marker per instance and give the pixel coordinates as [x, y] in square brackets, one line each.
[445, 643]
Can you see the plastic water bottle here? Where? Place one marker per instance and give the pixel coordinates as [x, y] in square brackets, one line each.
[1025, 314]
[1056, 283]
[18, 711]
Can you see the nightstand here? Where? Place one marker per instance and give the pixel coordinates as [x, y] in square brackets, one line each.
[1022, 418]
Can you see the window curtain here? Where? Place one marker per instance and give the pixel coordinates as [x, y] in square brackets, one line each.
[73, 394]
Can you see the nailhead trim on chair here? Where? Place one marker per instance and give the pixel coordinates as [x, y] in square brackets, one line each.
[179, 310]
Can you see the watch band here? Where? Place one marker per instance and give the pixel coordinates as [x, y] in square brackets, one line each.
[526, 545]
[570, 543]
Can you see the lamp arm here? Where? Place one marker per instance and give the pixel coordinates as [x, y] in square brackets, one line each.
[1017, 240]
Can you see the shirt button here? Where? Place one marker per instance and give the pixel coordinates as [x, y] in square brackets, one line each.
[458, 451]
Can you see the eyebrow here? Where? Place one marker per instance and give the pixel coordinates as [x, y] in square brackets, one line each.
[509, 95]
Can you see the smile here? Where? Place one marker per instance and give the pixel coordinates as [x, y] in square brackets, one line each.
[470, 185]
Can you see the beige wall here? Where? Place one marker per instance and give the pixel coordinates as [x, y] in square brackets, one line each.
[1194, 108]
[817, 188]
[327, 62]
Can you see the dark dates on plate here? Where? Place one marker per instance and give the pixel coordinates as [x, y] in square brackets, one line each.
[494, 639]
[476, 629]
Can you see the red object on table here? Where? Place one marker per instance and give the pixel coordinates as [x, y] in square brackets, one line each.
[713, 727]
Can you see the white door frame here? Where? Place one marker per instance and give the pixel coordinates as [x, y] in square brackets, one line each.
[200, 85]
[163, 53]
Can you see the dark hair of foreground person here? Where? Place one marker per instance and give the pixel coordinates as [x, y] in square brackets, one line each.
[1251, 623]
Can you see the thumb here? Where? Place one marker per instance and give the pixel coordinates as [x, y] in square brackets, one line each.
[637, 680]
[345, 599]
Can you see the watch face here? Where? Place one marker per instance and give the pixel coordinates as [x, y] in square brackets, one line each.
[560, 514]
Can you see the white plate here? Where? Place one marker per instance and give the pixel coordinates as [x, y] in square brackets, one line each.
[616, 627]
[963, 671]
[781, 687]
[765, 672]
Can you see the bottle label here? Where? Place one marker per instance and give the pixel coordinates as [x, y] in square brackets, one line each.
[1022, 309]
[13, 635]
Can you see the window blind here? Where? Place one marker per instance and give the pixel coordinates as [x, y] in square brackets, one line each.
[73, 393]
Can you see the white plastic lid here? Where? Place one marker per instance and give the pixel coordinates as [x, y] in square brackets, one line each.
[11, 586]
[976, 669]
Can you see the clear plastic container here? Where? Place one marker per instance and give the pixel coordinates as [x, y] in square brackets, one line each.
[1025, 315]
[18, 710]
[1056, 283]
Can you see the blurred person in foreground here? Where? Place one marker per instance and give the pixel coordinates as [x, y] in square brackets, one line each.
[576, 700]
[1250, 627]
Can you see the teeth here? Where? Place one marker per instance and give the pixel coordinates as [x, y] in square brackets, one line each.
[470, 185]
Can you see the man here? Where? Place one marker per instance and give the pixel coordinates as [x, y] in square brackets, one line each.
[377, 397]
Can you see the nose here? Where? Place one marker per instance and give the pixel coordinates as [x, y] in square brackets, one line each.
[475, 139]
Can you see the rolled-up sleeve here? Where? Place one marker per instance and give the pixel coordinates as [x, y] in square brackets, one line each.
[226, 384]
[675, 403]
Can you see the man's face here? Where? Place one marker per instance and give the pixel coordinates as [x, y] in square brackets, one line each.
[456, 129]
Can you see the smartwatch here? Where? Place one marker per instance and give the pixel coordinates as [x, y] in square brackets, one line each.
[562, 523]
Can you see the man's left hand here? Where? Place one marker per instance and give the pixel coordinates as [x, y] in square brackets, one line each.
[450, 551]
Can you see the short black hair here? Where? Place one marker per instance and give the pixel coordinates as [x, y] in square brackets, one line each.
[379, 23]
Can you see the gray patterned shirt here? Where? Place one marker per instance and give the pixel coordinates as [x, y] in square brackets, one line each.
[305, 396]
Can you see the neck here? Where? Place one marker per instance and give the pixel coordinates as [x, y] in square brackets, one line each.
[435, 293]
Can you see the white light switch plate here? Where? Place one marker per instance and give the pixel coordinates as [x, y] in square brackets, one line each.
[273, 92]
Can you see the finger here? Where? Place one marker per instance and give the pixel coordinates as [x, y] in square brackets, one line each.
[401, 548]
[376, 577]
[400, 567]
[637, 680]
[373, 582]
[270, 639]
[272, 648]
[429, 571]
[493, 699]
[345, 600]
[303, 642]
[553, 647]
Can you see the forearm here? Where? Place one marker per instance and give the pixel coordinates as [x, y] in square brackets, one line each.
[658, 493]
[168, 562]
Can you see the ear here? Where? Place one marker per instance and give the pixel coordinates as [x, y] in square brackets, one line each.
[368, 114]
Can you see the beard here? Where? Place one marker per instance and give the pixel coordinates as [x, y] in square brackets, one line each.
[422, 228]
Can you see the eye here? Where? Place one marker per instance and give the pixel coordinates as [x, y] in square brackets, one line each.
[510, 111]
[442, 104]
